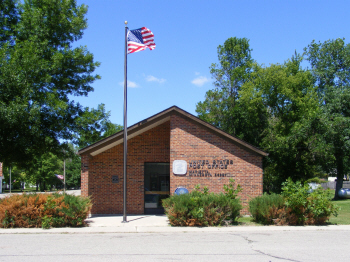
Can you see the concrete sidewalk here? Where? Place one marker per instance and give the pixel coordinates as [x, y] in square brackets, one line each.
[152, 224]
[132, 221]
[156, 224]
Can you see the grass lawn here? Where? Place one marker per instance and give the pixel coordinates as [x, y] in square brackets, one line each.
[247, 221]
[343, 217]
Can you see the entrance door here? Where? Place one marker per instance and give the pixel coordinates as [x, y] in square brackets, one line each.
[157, 186]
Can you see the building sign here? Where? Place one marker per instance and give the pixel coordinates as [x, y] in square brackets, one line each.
[180, 167]
[207, 168]
[202, 168]
[215, 164]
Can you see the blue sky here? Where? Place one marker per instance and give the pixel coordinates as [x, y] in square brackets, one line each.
[187, 34]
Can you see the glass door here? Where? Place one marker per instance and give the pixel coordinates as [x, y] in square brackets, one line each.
[157, 186]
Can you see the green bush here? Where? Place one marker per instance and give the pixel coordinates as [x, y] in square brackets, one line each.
[296, 202]
[298, 206]
[262, 207]
[320, 207]
[75, 210]
[307, 208]
[203, 208]
[43, 210]
[315, 180]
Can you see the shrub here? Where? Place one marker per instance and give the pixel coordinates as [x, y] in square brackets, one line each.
[302, 207]
[315, 180]
[75, 210]
[320, 207]
[203, 208]
[283, 216]
[263, 208]
[308, 208]
[43, 210]
[295, 195]
[296, 206]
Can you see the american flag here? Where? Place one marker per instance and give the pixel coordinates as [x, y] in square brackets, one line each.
[140, 39]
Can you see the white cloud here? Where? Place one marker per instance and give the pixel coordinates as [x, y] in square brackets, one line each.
[199, 81]
[155, 79]
[130, 84]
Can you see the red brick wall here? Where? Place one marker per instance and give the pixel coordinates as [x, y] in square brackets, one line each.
[190, 142]
[177, 139]
[150, 146]
[85, 175]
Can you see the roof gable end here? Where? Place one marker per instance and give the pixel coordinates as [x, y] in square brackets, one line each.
[152, 122]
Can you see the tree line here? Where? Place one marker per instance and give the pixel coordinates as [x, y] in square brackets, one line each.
[299, 115]
[40, 74]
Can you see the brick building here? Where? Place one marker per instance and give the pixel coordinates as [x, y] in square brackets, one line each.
[169, 150]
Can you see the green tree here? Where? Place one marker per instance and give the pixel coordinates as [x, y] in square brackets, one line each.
[222, 106]
[18, 177]
[330, 65]
[39, 72]
[287, 93]
[94, 125]
[300, 116]
[8, 20]
[43, 169]
[73, 171]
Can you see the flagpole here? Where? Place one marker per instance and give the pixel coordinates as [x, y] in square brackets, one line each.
[10, 179]
[64, 175]
[125, 123]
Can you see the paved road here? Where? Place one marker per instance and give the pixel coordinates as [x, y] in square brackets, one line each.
[243, 245]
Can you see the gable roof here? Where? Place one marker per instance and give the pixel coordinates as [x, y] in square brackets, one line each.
[154, 121]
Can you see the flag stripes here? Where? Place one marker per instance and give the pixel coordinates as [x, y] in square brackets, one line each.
[140, 39]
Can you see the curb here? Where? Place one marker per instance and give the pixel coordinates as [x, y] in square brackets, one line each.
[169, 229]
